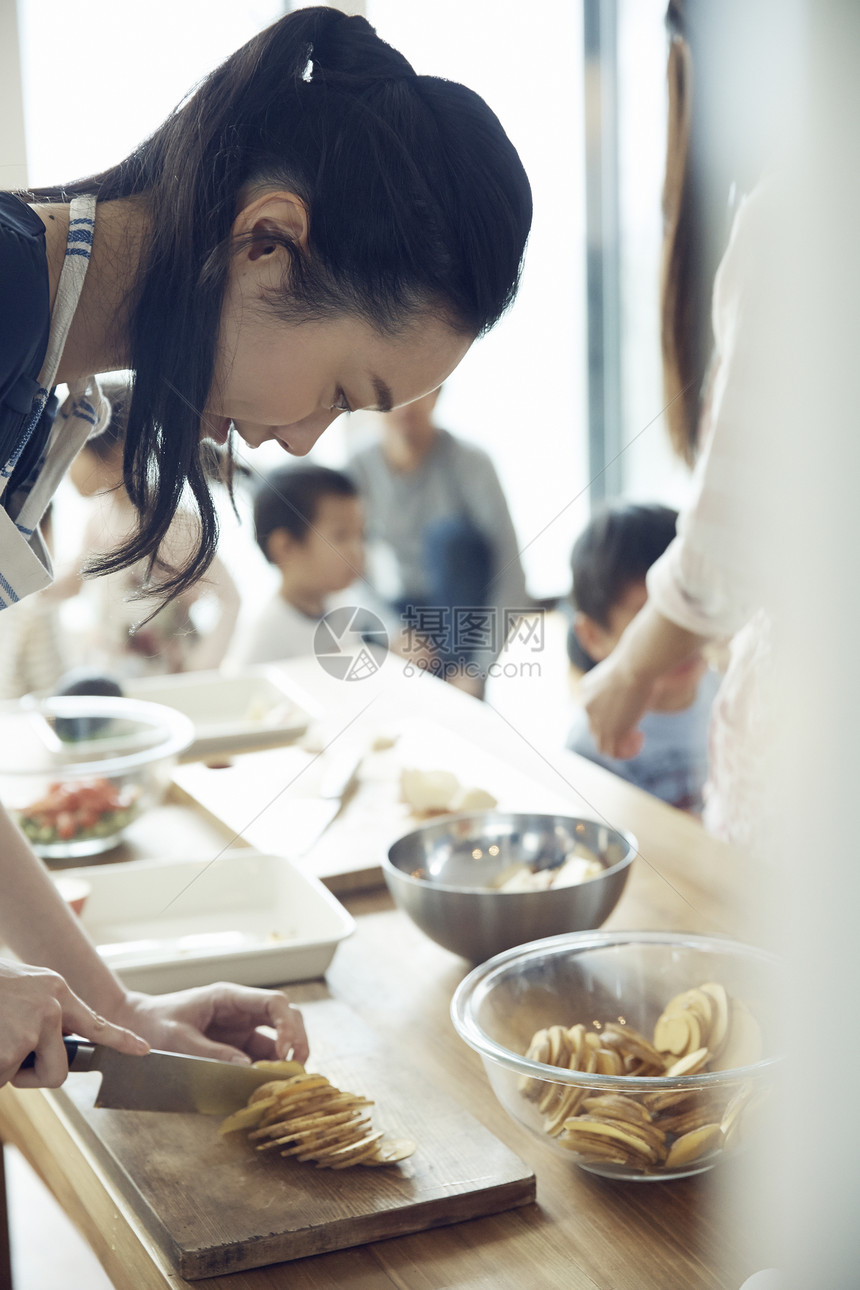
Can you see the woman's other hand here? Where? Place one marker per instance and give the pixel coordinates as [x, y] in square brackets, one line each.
[220, 1021]
[615, 701]
[37, 1008]
[618, 692]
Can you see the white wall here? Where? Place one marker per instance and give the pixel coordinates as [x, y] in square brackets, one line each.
[13, 166]
[122, 66]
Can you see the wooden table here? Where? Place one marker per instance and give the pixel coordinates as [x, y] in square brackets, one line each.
[584, 1233]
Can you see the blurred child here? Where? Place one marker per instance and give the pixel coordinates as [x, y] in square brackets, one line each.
[309, 523]
[192, 632]
[609, 562]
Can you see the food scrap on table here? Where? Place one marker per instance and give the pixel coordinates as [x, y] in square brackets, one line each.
[439, 792]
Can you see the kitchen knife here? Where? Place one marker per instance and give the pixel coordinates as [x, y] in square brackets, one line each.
[305, 820]
[165, 1081]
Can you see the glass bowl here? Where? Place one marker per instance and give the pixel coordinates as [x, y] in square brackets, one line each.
[76, 771]
[567, 1029]
[444, 875]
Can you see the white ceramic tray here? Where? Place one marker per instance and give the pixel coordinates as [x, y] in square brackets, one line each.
[250, 918]
[256, 707]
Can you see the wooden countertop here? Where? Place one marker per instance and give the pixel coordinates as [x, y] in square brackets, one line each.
[584, 1233]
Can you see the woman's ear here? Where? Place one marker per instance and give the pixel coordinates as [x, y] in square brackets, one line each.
[591, 637]
[270, 220]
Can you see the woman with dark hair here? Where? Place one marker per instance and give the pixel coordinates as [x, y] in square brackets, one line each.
[315, 229]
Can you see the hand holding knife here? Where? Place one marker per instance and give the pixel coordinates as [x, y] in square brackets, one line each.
[158, 1081]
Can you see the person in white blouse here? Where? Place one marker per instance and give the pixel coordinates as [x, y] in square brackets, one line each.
[708, 585]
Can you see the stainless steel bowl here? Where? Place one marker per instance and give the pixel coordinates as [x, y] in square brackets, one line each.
[442, 876]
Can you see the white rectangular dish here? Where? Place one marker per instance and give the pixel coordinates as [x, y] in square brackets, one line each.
[254, 919]
[255, 708]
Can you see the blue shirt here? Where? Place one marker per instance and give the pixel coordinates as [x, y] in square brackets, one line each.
[673, 763]
[25, 320]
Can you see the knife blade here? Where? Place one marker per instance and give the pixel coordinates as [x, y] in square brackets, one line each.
[160, 1081]
[305, 820]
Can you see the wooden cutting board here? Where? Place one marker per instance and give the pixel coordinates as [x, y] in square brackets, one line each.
[251, 798]
[215, 1205]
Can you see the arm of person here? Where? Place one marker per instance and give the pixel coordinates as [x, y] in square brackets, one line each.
[69, 580]
[211, 648]
[37, 1008]
[216, 585]
[706, 585]
[220, 1021]
[617, 693]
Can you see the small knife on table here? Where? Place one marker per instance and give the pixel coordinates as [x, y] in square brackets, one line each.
[305, 819]
[164, 1081]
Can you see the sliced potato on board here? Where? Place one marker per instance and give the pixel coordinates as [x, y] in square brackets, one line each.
[305, 1116]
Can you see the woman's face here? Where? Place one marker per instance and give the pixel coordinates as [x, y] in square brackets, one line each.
[288, 381]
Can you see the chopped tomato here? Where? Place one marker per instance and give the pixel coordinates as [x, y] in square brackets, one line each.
[71, 808]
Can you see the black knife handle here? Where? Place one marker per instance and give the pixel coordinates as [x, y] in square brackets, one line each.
[71, 1047]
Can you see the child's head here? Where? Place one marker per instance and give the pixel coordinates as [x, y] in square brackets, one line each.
[309, 522]
[609, 562]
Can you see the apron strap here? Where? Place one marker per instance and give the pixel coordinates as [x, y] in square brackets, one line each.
[82, 213]
[26, 566]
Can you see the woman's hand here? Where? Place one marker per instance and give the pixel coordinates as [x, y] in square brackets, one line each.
[37, 1008]
[615, 701]
[219, 1021]
[618, 692]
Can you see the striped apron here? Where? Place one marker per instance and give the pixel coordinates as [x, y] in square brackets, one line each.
[25, 565]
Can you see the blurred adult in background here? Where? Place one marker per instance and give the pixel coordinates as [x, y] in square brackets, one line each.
[173, 637]
[442, 547]
[706, 586]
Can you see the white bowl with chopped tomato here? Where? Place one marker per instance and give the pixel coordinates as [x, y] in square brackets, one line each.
[76, 771]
